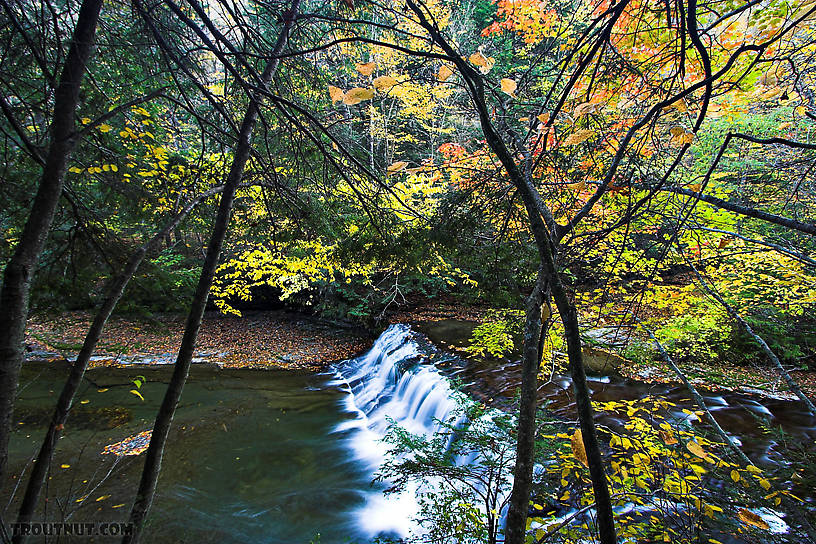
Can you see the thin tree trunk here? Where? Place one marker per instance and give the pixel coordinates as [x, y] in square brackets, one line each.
[161, 428]
[526, 426]
[114, 290]
[766, 349]
[698, 399]
[583, 404]
[544, 239]
[14, 296]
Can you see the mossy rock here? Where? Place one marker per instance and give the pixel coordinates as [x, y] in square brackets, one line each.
[601, 361]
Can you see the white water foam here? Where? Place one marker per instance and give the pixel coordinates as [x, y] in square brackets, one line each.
[387, 385]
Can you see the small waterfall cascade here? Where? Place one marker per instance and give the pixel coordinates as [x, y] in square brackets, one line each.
[386, 384]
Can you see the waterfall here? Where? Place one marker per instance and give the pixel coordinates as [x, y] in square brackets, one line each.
[390, 383]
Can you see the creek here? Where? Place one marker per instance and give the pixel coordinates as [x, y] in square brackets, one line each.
[270, 456]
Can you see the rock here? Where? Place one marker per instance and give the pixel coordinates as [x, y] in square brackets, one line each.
[601, 361]
[610, 337]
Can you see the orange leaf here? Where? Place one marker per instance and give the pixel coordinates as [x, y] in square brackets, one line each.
[335, 93]
[357, 95]
[508, 86]
[396, 167]
[578, 137]
[383, 83]
[577, 442]
[444, 73]
[749, 518]
[366, 68]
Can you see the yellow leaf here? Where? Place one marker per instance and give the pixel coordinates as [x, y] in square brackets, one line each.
[679, 136]
[585, 108]
[544, 118]
[366, 68]
[801, 110]
[104, 127]
[102, 390]
[357, 95]
[75, 170]
[508, 86]
[749, 518]
[696, 449]
[65, 466]
[85, 121]
[735, 475]
[118, 505]
[766, 485]
[335, 93]
[86, 401]
[396, 167]
[578, 137]
[679, 105]
[384, 83]
[137, 394]
[102, 498]
[444, 72]
[577, 443]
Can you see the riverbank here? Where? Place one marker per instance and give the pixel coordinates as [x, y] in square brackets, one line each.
[273, 339]
[291, 341]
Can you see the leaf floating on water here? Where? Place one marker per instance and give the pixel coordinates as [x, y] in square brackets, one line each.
[132, 445]
[484, 63]
[65, 466]
[668, 437]
[578, 137]
[102, 498]
[137, 394]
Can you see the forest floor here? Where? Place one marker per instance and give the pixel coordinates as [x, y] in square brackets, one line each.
[272, 339]
[285, 340]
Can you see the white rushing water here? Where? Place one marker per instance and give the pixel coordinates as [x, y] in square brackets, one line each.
[386, 384]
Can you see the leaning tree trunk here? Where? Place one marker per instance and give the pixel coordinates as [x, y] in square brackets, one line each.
[14, 295]
[114, 290]
[161, 428]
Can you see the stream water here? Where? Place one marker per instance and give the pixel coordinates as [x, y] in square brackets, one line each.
[288, 457]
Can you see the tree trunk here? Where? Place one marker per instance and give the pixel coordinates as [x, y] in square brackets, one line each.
[14, 296]
[583, 404]
[116, 286]
[528, 402]
[161, 428]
